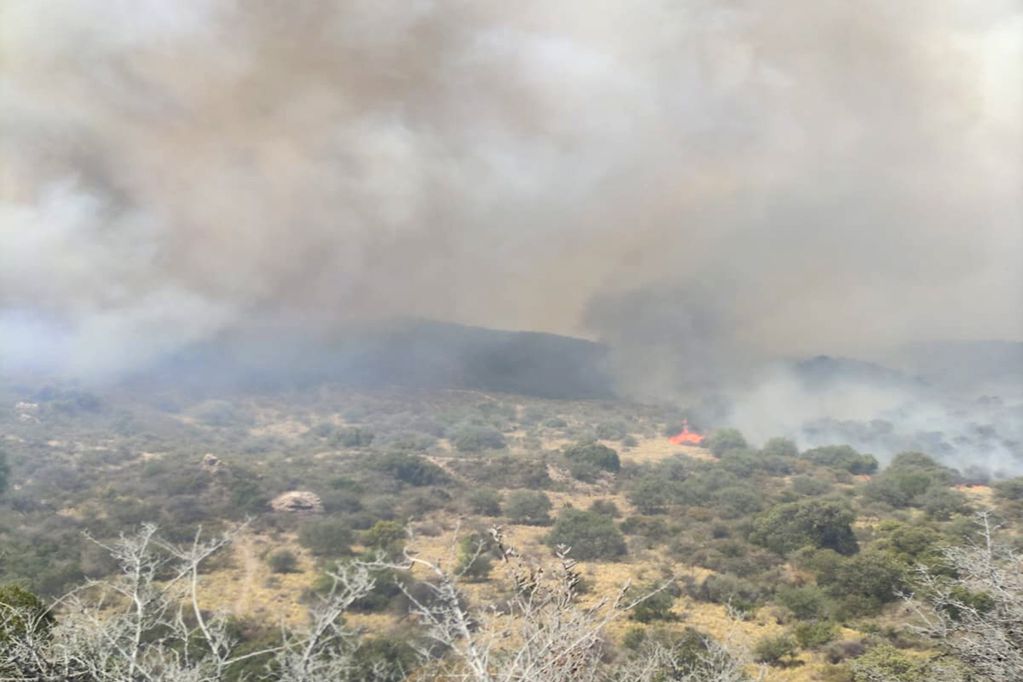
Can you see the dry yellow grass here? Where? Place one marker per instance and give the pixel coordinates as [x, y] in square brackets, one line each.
[247, 588]
[658, 448]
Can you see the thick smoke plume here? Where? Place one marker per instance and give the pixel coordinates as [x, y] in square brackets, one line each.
[775, 179]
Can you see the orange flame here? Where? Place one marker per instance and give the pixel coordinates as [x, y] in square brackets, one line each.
[685, 436]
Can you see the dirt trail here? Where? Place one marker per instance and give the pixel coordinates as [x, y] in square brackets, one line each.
[245, 552]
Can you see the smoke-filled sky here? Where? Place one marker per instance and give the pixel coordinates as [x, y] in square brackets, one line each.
[760, 177]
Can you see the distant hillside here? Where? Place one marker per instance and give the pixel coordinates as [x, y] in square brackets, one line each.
[414, 353]
[967, 364]
[824, 371]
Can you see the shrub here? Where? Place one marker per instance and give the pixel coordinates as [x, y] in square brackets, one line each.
[908, 478]
[25, 604]
[817, 523]
[805, 603]
[589, 535]
[528, 508]
[722, 441]
[412, 469]
[354, 438]
[814, 634]
[473, 560]
[780, 447]
[506, 472]
[484, 501]
[282, 561]
[885, 662]
[652, 494]
[809, 486]
[383, 659]
[655, 607]
[615, 430]
[326, 538]
[842, 457]
[774, 650]
[836, 652]
[605, 507]
[388, 536]
[941, 503]
[1010, 490]
[725, 588]
[594, 455]
[477, 439]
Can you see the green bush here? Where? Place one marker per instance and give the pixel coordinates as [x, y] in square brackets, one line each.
[775, 650]
[528, 508]
[655, 607]
[842, 457]
[354, 437]
[605, 507]
[941, 503]
[722, 441]
[808, 486]
[29, 609]
[728, 589]
[282, 561]
[612, 431]
[815, 634]
[326, 538]
[817, 523]
[780, 447]
[484, 501]
[885, 662]
[1010, 490]
[388, 536]
[589, 535]
[383, 659]
[412, 469]
[474, 562]
[593, 455]
[805, 603]
[861, 584]
[652, 494]
[477, 439]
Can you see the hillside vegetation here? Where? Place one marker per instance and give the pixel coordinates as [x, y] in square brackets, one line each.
[451, 533]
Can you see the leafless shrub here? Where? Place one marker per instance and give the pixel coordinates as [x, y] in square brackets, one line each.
[146, 624]
[976, 615]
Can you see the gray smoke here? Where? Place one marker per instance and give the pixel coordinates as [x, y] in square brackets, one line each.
[738, 180]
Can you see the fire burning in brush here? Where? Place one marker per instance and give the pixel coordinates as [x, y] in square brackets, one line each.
[685, 436]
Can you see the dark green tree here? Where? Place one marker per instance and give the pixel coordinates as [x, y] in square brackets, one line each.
[528, 508]
[588, 534]
[823, 524]
[723, 440]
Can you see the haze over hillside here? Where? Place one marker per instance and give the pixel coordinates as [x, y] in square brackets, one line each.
[699, 185]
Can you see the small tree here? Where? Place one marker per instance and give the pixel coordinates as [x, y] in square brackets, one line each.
[780, 447]
[477, 439]
[775, 650]
[387, 536]
[842, 457]
[722, 441]
[824, 524]
[326, 538]
[588, 534]
[977, 614]
[485, 501]
[474, 561]
[528, 508]
[588, 459]
[282, 561]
